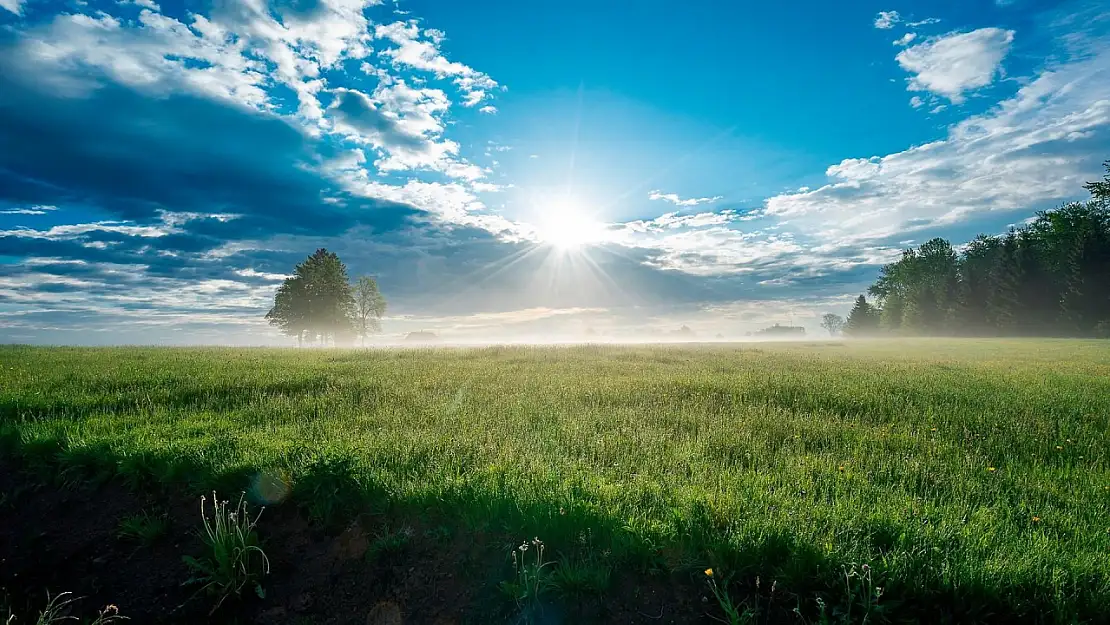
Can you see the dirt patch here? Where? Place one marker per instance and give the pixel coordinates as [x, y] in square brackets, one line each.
[373, 571]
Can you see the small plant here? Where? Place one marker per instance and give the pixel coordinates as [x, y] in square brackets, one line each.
[532, 577]
[580, 577]
[389, 543]
[145, 528]
[58, 610]
[861, 602]
[233, 558]
[735, 613]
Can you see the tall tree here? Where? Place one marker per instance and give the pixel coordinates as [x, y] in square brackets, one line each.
[1003, 305]
[863, 320]
[315, 303]
[833, 323]
[370, 305]
[1048, 277]
[290, 313]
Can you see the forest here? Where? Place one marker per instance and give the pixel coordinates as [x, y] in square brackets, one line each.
[1048, 277]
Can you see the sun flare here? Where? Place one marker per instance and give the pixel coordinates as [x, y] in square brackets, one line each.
[566, 226]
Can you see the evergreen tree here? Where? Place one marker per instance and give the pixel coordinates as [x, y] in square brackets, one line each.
[316, 301]
[1049, 277]
[863, 320]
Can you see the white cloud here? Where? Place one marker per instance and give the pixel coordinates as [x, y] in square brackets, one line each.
[15, 6]
[673, 198]
[473, 98]
[70, 231]
[405, 124]
[34, 210]
[916, 102]
[954, 64]
[905, 39]
[488, 110]
[420, 51]
[887, 19]
[1032, 150]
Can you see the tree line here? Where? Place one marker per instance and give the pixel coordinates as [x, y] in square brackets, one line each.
[1049, 277]
[318, 304]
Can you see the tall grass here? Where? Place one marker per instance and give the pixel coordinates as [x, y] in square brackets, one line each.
[974, 473]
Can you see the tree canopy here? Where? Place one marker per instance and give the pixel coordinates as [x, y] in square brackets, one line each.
[369, 307]
[317, 303]
[833, 323]
[1050, 277]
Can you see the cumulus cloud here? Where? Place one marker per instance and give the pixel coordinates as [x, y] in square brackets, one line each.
[887, 19]
[1030, 151]
[673, 198]
[953, 64]
[905, 39]
[419, 50]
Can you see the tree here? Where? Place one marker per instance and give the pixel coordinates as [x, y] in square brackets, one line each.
[833, 323]
[1002, 297]
[370, 305]
[315, 303]
[1047, 277]
[1100, 189]
[863, 320]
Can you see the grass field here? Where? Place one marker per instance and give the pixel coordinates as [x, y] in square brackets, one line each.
[968, 474]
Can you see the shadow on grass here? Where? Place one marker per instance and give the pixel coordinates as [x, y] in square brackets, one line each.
[335, 485]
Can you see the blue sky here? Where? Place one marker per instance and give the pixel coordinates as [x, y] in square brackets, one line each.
[519, 170]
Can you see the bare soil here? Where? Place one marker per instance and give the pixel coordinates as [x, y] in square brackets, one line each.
[57, 537]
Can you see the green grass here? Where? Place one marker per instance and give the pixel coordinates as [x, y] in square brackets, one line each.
[791, 462]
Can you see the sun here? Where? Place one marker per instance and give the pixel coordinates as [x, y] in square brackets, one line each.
[565, 226]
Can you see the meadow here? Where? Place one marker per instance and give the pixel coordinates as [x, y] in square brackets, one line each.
[968, 479]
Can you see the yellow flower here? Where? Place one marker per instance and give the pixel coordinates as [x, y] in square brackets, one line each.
[933, 430]
[841, 468]
[709, 572]
[991, 469]
[1036, 519]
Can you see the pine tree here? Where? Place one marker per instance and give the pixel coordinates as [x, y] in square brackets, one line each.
[863, 320]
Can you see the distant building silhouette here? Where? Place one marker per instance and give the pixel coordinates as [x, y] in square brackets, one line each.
[782, 331]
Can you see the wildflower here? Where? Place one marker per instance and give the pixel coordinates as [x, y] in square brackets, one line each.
[709, 572]
[1036, 519]
[562, 511]
[1059, 447]
[933, 430]
[991, 469]
[841, 468]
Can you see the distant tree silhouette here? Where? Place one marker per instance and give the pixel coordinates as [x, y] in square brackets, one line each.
[833, 323]
[369, 307]
[315, 303]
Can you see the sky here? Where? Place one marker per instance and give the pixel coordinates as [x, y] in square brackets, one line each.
[520, 170]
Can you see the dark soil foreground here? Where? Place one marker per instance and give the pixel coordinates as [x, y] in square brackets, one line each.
[57, 538]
